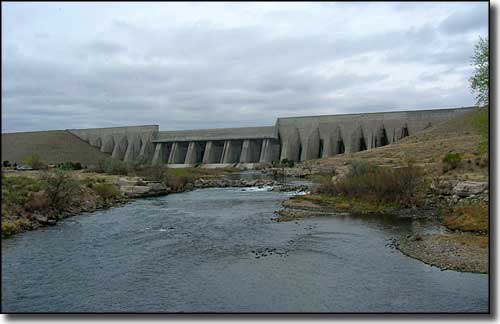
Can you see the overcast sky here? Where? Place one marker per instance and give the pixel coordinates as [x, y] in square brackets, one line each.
[194, 65]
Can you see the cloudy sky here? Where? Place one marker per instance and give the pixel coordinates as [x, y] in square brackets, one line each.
[194, 65]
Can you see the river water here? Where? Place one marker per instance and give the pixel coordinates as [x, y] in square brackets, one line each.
[218, 250]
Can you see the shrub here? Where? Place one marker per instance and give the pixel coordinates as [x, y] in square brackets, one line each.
[70, 166]
[17, 190]
[34, 161]
[59, 189]
[471, 217]
[106, 191]
[382, 185]
[89, 182]
[10, 228]
[6, 164]
[114, 166]
[154, 173]
[360, 168]
[178, 182]
[287, 163]
[451, 161]
[327, 188]
[38, 202]
[481, 123]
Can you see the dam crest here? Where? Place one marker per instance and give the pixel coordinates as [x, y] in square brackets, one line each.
[291, 138]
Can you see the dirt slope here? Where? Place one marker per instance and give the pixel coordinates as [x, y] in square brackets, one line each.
[52, 146]
[426, 148]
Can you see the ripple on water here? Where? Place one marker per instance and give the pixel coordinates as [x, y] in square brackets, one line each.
[218, 250]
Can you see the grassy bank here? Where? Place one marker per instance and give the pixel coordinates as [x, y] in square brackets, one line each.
[32, 199]
[467, 218]
[444, 157]
[43, 198]
[367, 187]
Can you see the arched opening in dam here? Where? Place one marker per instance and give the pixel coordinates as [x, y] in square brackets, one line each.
[383, 139]
[213, 152]
[362, 144]
[232, 151]
[178, 153]
[358, 142]
[120, 148]
[202, 146]
[405, 132]
[380, 138]
[340, 147]
[195, 152]
[167, 148]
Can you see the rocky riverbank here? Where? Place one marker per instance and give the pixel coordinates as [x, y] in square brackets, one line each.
[305, 206]
[458, 252]
[91, 192]
[272, 185]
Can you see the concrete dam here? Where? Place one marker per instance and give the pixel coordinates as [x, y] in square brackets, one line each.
[291, 138]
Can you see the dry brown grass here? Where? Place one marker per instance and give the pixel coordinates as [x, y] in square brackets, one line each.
[470, 218]
[481, 241]
[52, 146]
[426, 148]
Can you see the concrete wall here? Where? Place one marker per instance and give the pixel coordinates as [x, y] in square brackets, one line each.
[292, 138]
[305, 138]
[216, 134]
[131, 143]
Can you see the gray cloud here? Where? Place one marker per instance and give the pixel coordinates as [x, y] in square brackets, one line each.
[463, 21]
[201, 74]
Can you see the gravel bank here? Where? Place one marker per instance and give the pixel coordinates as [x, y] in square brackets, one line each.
[466, 253]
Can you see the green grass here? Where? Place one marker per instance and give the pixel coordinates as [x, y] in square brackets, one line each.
[349, 204]
[10, 228]
[481, 124]
[17, 191]
[378, 185]
[107, 191]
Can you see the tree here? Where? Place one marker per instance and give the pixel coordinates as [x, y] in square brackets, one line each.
[34, 161]
[480, 79]
[59, 189]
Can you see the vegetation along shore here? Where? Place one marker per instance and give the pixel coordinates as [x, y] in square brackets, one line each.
[440, 173]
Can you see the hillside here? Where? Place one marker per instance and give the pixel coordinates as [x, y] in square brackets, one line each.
[53, 147]
[426, 148]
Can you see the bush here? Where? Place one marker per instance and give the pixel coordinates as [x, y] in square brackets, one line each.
[153, 173]
[106, 191]
[113, 166]
[6, 164]
[59, 189]
[481, 123]
[70, 166]
[285, 163]
[17, 190]
[38, 202]
[327, 188]
[34, 161]
[381, 185]
[451, 161]
[178, 182]
[471, 217]
[10, 228]
[360, 168]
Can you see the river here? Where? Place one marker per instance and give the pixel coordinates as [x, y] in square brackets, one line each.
[218, 250]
